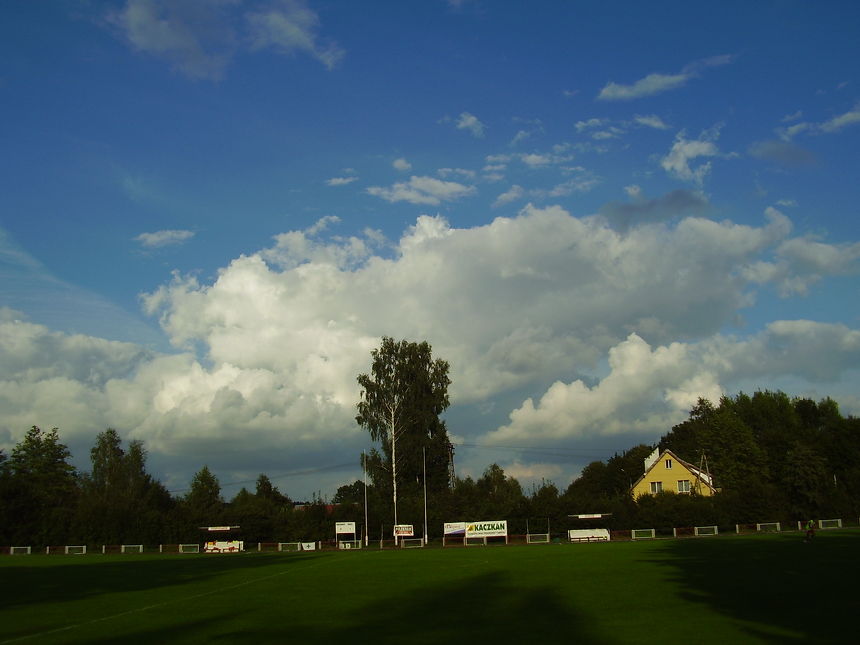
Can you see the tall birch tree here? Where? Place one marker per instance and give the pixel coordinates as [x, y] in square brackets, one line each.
[401, 400]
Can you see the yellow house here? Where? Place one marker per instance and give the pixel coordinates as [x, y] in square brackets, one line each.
[666, 472]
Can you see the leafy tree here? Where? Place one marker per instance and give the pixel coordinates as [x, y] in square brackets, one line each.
[806, 481]
[686, 438]
[5, 498]
[350, 493]
[255, 514]
[43, 488]
[120, 502]
[546, 502]
[266, 490]
[401, 400]
[624, 469]
[500, 494]
[203, 504]
[592, 484]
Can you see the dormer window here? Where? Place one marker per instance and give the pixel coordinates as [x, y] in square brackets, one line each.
[668, 464]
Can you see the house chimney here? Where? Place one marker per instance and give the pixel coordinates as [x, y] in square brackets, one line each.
[650, 459]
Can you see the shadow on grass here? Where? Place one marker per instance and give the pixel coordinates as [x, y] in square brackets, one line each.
[75, 579]
[782, 589]
[490, 608]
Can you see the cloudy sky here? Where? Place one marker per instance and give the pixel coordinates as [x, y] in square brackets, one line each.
[597, 212]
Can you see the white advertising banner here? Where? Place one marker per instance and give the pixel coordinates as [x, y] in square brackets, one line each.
[309, 546]
[403, 530]
[455, 528]
[498, 528]
[344, 527]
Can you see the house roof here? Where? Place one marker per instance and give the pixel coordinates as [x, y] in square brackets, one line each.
[703, 477]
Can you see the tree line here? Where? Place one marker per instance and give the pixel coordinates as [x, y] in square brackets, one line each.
[773, 458]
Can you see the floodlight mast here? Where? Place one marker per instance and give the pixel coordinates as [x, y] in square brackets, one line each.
[366, 525]
[394, 465]
[424, 464]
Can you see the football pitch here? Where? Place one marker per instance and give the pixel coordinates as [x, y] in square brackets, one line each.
[750, 589]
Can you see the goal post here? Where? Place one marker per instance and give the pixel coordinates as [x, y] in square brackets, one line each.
[294, 547]
[189, 548]
[705, 530]
[537, 531]
[643, 534]
[20, 550]
[768, 527]
[411, 543]
[830, 524]
[289, 546]
[76, 549]
[131, 548]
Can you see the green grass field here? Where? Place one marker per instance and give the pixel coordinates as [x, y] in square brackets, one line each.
[761, 588]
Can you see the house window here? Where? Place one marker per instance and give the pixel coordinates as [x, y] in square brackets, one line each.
[656, 487]
[683, 485]
[668, 464]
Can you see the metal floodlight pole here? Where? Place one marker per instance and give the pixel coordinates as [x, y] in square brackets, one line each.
[424, 463]
[394, 468]
[364, 468]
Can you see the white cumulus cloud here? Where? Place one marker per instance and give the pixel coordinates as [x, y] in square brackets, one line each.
[160, 239]
[423, 190]
[658, 83]
[471, 123]
[649, 389]
[513, 194]
[678, 161]
[268, 350]
[199, 39]
[340, 181]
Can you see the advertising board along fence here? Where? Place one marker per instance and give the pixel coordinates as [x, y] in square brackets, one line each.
[404, 530]
[405, 535]
[454, 534]
[474, 533]
[477, 533]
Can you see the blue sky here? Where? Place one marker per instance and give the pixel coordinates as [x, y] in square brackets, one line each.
[596, 212]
